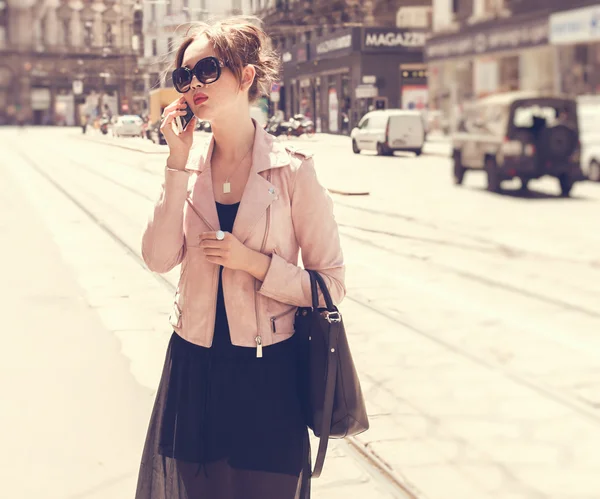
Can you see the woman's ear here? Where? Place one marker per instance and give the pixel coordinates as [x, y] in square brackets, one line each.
[248, 75]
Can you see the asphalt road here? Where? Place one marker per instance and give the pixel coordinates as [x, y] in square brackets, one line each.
[473, 317]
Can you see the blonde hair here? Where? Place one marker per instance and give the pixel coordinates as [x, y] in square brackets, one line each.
[238, 42]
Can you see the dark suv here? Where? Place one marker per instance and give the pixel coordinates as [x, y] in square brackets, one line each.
[519, 135]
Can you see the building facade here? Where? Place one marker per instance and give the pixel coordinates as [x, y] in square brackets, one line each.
[343, 58]
[163, 27]
[64, 59]
[482, 47]
[575, 34]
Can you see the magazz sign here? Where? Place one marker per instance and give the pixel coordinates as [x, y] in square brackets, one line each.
[393, 39]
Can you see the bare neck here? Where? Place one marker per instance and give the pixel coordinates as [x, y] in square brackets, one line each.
[233, 139]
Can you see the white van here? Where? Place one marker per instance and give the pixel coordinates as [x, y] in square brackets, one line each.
[389, 130]
[588, 113]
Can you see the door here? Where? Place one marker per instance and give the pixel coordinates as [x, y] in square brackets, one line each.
[362, 133]
[406, 132]
[375, 132]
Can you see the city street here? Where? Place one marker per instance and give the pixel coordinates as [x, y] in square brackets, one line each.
[473, 320]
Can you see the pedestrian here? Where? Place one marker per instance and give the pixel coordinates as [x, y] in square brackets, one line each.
[228, 421]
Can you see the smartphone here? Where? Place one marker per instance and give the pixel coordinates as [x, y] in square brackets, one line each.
[183, 121]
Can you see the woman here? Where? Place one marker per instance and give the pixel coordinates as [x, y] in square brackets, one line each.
[227, 422]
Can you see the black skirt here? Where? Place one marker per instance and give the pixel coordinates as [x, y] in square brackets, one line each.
[226, 427]
[226, 424]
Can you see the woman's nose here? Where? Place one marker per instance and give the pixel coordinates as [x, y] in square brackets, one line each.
[196, 83]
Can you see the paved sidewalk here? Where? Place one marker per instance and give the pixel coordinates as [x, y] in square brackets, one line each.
[72, 415]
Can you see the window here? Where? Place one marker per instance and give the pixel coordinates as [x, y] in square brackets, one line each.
[169, 44]
[109, 38]
[154, 80]
[364, 124]
[169, 7]
[43, 31]
[154, 47]
[153, 12]
[88, 34]
[66, 32]
[378, 121]
[455, 6]
[484, 8]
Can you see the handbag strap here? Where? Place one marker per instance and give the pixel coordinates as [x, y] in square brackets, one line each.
[332, 366]
[326, 295]
[314, 290]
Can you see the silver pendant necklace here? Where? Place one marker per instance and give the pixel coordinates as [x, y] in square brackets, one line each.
[227, 184]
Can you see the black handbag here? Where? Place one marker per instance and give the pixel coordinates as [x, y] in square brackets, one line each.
[330, 389]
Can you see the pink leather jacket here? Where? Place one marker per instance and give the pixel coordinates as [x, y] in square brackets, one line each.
[283, 210]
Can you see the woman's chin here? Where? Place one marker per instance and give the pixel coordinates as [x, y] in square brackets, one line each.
[202, 113]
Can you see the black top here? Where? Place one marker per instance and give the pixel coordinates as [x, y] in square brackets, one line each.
[222, 339]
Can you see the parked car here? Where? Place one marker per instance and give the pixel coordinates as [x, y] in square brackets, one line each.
[519, 134]
[389, 130]
[203, 126]
[128, 126]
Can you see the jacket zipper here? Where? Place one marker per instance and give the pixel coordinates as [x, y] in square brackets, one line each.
[275, 318]
[178, 294]
[258, 338]
[215, 272]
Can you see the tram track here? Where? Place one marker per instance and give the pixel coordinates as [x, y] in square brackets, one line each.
[379, 469]
[492, 283]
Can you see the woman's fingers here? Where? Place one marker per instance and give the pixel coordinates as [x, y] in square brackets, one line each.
[177, 105]
[216, 260]
[213, 252]
[167, 123]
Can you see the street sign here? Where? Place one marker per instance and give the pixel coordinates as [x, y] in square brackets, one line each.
[275, 97]
[369, 79]
[275, 87]
[77, 87]
[366, 91]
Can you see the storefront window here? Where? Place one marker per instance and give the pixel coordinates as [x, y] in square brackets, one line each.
[509, 73]
[345, 104]
[579, 69]
[306, 98]
[333, 105]
[318, 97]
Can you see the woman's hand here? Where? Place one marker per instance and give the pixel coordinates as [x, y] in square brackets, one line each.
[229, 252]
[232, 254]
[179, 143]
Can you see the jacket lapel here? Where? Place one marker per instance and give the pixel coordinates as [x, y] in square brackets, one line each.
[202, 196]
[259, 193]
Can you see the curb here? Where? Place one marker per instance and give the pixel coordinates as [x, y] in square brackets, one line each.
[348, 193]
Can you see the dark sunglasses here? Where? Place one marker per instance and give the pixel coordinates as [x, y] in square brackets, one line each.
[207, 70]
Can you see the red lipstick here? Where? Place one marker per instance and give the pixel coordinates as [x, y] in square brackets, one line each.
[200, 98]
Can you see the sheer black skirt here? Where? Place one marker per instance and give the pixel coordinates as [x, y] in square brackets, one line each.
[226, 425]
